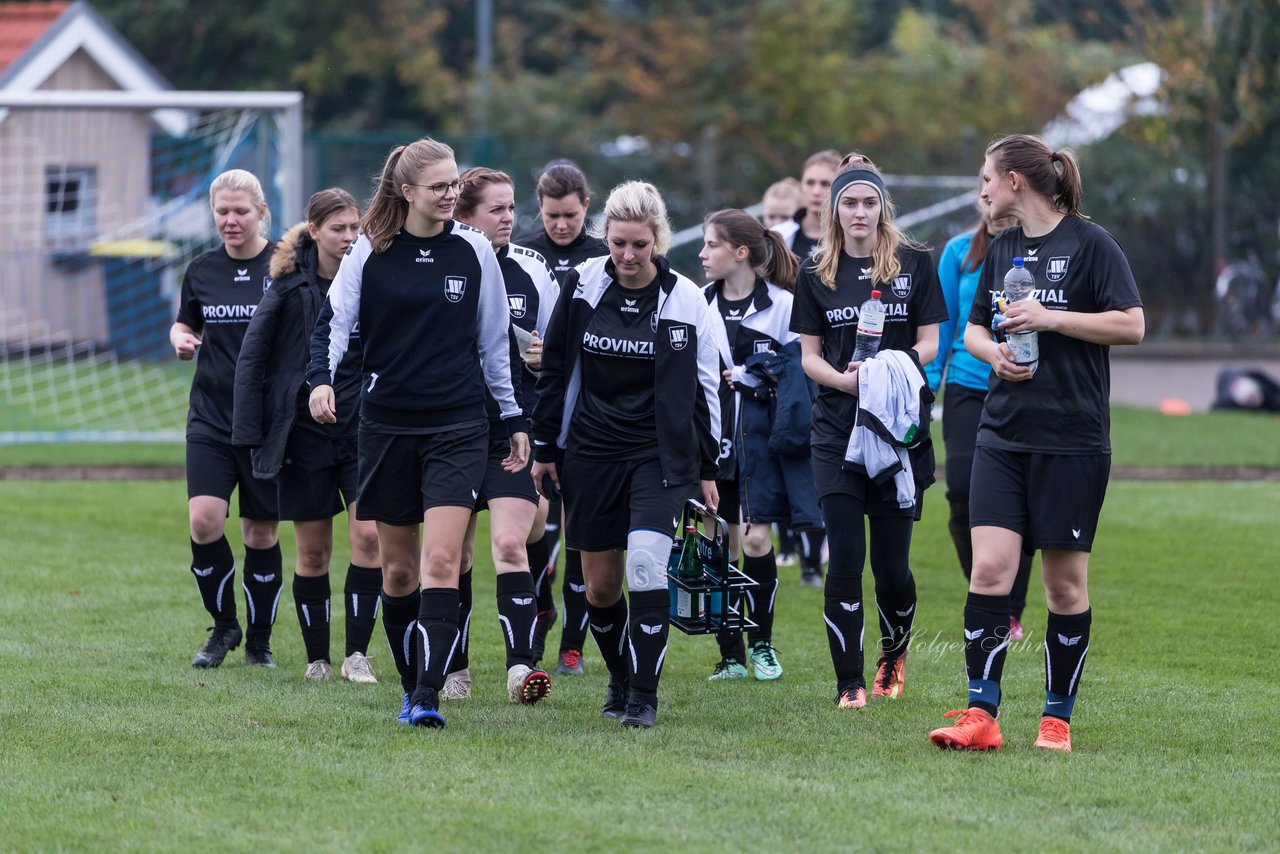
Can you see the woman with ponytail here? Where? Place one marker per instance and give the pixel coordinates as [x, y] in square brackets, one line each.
[1043, 450]
[428, 295]
[861, 251]
[753, 277]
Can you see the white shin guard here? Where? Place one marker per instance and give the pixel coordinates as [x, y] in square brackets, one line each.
[647, 554]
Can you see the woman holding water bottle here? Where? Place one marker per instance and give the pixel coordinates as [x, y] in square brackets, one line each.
[1042, 459]
[862, 250]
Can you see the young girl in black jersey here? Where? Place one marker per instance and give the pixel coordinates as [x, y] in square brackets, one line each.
[220, 292]
[564, 198]
[627, 426]
[314, 466]
[862, 250]
[753, 277]
[1043, 452]
[516, 514]
[428, 295]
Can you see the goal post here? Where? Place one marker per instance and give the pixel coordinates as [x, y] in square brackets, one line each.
[103, 202]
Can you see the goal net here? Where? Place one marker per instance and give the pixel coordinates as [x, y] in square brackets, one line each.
[103, 202]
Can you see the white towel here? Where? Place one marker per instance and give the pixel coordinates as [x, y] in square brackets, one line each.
[888, 420]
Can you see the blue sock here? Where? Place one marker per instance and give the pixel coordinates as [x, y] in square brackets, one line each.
[985, 694]
[1058, 705]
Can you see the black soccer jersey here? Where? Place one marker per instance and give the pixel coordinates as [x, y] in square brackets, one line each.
[912, 300]
[562, 259]
[1065, 407]
[616, 413]
[732, 311]
[219, 296]
[531, 295]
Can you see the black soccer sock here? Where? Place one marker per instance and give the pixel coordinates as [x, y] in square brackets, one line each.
[361, 592]
[986, 641]
[1066, 642]
[958, 525]
[435, 641]
[398, 616]
[574, 592]
[764, 571]
[786, 541]
[263, 581]
[542, 572]
[1018, 595]
[730, 639]
[650, 621]
[517, 614]
[811, 551]
[461, 658]
[609, 627]
[311, 599]
[214, 567]
[842, 612]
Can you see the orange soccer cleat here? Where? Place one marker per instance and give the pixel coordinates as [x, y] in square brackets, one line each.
[854, 698]
[975, 730]
[891, 678]
[1055, 734]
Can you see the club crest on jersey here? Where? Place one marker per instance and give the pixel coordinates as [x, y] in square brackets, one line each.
[678, 335]
[653, 322]
[266, 284]
[1057, 270]
[762, 345]
[902, 286]
[516, 302]
[241, 275]
[455, 287]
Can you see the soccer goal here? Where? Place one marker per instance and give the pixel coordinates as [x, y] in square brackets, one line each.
[104, 199]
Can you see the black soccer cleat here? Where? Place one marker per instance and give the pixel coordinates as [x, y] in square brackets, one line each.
[259, 656]
[541, 628]
[642, 712]
[615, 699]
[221, 641]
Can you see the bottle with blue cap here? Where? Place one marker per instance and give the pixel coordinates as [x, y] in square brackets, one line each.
[1019, 285]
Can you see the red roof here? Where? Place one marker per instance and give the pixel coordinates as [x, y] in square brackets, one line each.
[21, 24]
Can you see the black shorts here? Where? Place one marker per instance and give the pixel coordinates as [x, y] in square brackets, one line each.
[961, 411]
[500, 483]
[402, 476]
[319, 478]
[605, 501]
[1052, 500]
[831, 477]
[730, 508]
[216, 468]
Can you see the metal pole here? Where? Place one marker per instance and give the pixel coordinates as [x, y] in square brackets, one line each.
[484, 63]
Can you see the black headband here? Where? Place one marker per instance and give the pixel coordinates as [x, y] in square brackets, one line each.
[856, 176]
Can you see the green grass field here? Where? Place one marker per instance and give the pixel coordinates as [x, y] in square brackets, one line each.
[112, 741]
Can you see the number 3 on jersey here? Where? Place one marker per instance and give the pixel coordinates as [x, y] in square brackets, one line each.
[726, 448]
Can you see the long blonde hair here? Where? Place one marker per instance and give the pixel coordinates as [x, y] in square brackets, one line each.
[389, 208]
[885, 264]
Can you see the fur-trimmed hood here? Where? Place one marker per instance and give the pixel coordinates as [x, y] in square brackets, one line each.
[295, 250]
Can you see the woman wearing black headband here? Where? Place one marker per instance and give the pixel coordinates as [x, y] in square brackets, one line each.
[862, 250]
[1043, 452]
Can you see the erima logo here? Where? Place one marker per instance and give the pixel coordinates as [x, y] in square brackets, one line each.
[1057, 269]
[601, 629]
[1029, 257]
[454, 288]
[424, 257]
[678, 336]
[203, 573]
[577, 588]
[1066, 641]
[526, 601]
[622, 347]
[629, 306]
[650, 630]
[562, 264]
[267, 579]
[516, 302]
[851, 607]
[902, 286]
[973, 635]
[735, 312]
[228, 312]
[242, 275]
[835, 316]
[1075, 532]
[763, 346]
[866, 273]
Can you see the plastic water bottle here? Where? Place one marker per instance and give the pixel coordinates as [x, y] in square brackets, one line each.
[870, 328]
[1018, 285]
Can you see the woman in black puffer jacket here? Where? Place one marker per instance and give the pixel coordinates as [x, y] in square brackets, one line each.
[314, 465]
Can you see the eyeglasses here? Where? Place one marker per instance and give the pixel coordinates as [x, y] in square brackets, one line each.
[441, 188]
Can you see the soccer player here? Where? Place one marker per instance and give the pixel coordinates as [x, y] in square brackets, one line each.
[627, 426]
[1043, 453]
[313, 465]
[564, 197]
[862, 250]
[959, 270]
[753, 277]
[487, 202]
[428, 295]
[221, 290]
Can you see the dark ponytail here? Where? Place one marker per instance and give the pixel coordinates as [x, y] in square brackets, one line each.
[767, 252]
[1053, 174]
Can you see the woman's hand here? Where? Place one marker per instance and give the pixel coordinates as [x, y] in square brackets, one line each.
[532, 355]
[538, 471]
[185, 344]
[1027, 315]
[710, 495]
[848, 381]
[728, 376]
[1006, 368]
[322, 406]
[519, 456]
